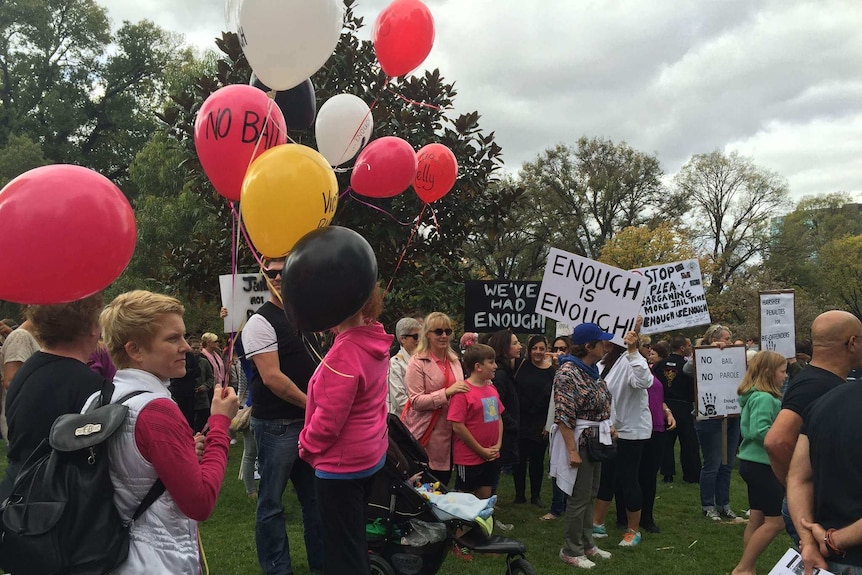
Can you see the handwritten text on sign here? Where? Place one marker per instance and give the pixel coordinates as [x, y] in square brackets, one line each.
[493, 305]
[675, 299]
[777, 322]
[718, 373]
[578, 290]
[241, 295]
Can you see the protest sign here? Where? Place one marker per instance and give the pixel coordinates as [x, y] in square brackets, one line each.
[501, 304]
[778, 322]
[241, 294]
[578, 290]
[675, 299]
[718, 373]
[791, 564]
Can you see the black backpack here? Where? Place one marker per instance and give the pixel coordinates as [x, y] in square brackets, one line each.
[60, 516]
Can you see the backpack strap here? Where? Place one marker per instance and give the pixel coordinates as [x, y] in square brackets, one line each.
[158, 487]
[154, 493]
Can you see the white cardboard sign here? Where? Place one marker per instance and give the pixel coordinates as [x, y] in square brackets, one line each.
[578, 290]
[675, 299]
[778, 322]
[241, 294]
[718, 373]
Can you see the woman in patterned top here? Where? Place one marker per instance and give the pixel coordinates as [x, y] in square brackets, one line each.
[582, 410]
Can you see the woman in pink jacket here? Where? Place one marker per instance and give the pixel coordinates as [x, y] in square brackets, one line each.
[345, 435]
[433, 375]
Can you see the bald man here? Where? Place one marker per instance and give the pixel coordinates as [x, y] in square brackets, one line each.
[837, 341]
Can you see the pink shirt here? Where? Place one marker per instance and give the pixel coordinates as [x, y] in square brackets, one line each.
[479, 410]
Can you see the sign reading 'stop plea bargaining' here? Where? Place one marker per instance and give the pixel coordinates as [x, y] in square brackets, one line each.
[778, 322]
[241, 294]
[501, 304]
[675, 299]
[578, 290]
[718, 373]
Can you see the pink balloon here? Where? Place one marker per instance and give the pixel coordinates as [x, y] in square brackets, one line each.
[436, 172]
[403, 35]
[66, 232]
[234, 126]
[385, 168]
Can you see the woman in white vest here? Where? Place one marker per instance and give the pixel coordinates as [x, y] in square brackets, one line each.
[144, 333]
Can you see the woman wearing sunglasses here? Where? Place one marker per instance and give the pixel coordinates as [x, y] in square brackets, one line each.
[433, 375]
[407, 331]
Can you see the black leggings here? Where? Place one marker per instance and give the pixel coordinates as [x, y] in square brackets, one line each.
[620, 475]
[532, 454]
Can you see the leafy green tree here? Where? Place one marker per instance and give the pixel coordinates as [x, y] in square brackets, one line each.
[589, 192]
[798, 237]
[842, 266]
[19, 155]
[733, 201]
[84, 94]
[506, 243]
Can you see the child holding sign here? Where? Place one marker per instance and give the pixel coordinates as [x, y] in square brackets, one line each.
[760, 398]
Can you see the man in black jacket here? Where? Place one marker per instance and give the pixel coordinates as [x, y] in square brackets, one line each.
[679, 397]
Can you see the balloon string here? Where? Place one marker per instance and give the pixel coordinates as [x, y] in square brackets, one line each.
[378, 208]
[404, 252]
[257, 258]
[412, 102]
[344, 193]
[434, 218]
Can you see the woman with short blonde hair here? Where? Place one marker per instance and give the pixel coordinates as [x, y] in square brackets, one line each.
[145, 333]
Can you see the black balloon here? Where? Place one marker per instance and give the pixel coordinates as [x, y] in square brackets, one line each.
[298, 104]
[327, 278]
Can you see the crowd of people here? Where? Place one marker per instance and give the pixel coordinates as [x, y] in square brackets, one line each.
[600, 419]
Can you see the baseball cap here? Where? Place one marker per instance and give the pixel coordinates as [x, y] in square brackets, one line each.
[587, 332]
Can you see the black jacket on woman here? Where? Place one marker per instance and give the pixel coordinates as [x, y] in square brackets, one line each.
[504, 381]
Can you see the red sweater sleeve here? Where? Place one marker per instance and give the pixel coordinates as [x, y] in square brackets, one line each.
[165, 440]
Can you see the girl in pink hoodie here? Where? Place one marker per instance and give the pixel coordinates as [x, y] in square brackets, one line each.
[345, 435]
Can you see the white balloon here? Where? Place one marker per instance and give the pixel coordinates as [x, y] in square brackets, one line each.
[286, 41]
[343, 127]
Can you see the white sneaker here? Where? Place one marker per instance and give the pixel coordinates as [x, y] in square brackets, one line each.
[581, 562]
[596, 552]
[711, 513]
[503, 526]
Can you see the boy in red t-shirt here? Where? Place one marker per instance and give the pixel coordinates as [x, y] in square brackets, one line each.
[475, 418]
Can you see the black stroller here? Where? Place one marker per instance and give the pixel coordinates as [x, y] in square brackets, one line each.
[410, 537]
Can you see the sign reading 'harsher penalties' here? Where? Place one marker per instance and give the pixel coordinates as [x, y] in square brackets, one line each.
[675, 299]
[578, 290]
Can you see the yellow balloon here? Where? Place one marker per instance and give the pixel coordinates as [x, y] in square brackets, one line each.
[288, 191]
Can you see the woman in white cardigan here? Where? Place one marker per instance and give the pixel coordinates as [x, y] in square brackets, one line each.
[628, 377]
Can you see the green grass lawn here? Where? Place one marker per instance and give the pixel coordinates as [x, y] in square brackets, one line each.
[688, 544]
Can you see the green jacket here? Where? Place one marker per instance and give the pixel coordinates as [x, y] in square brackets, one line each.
[759, 410]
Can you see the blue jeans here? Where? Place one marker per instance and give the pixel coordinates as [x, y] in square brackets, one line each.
[278, 460]
[715, 476]
[558, 502]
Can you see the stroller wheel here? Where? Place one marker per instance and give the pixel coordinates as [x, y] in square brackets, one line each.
[520, 566]
[380, 566]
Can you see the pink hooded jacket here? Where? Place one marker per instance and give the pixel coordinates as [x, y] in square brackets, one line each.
[345, 415]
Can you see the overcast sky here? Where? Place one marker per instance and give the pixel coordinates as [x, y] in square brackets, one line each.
[779, 81]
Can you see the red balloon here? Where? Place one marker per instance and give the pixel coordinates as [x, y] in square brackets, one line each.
[385, 168]
[234, 126]
[403, 35]
[66, 232]
[436, 172]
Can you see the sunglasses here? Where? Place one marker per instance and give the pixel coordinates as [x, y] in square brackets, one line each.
[414, 336]
[441, 331]
[560, 348]
[272, 274]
